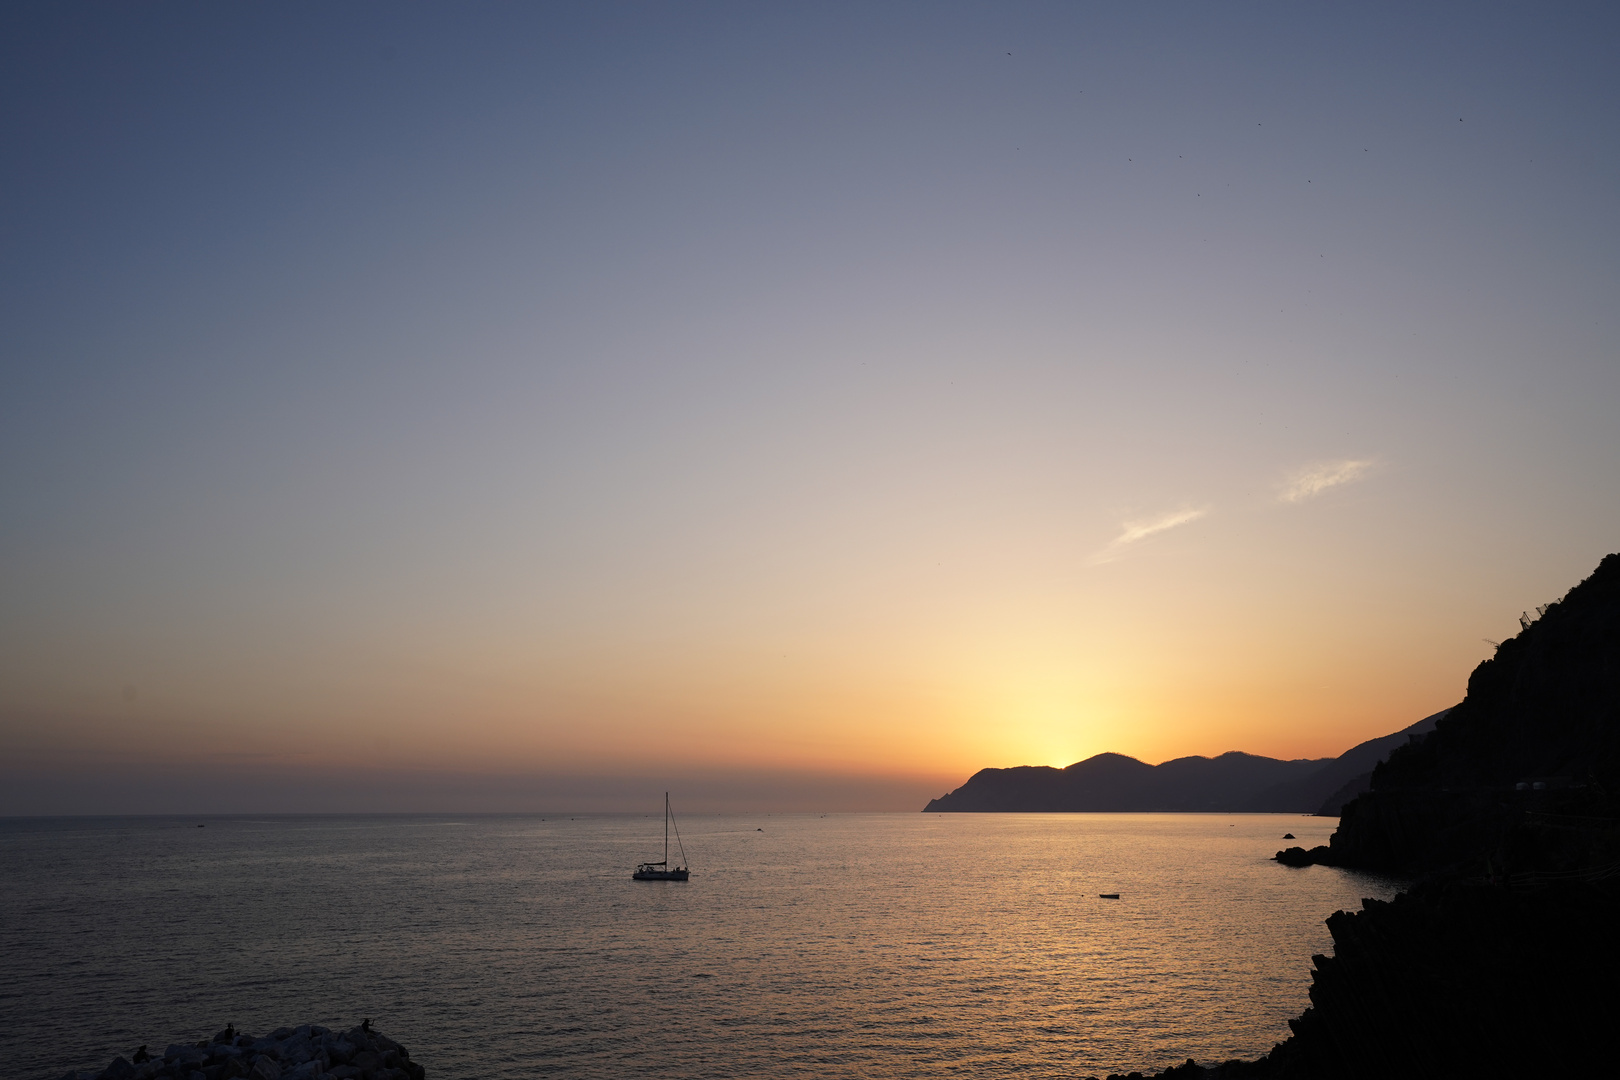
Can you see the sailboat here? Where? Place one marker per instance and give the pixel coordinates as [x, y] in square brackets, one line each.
[662, 871]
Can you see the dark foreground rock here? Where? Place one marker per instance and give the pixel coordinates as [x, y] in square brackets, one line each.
[309, 1052]
[1298, 856]
[1456, 978]
[1499, 959]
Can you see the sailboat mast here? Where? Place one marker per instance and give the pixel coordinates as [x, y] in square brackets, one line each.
[666, 828]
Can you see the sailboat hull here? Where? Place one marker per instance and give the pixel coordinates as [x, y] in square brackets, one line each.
[661, 870]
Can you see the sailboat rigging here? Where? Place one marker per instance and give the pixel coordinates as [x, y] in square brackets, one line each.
[662, 871]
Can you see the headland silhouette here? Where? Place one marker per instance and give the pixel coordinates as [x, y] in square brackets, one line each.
[1234, 782]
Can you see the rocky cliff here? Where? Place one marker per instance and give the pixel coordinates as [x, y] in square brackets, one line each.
[1496, 961]
[1508, 817]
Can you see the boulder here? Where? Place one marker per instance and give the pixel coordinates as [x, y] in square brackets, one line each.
[307, 1052]
[1298, 856]
[296, 1052]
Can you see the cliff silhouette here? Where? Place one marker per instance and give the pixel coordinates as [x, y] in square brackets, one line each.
[1520, 777]
[1497, 960]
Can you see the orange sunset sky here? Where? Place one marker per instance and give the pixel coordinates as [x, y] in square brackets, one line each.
[791, 407]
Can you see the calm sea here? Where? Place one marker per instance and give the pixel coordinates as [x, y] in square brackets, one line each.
[840, 946]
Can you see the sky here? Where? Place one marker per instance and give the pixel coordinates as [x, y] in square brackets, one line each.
[791, 406]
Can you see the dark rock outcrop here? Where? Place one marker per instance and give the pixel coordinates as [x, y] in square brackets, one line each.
[308, 1052]
[1524, 775]
[1507, 815]
[1298, 856]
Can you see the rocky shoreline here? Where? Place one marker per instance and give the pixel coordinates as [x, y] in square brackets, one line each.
[306, 1052]
[1506, 818]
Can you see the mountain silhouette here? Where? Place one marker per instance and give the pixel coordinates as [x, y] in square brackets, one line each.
[1347, 775]
[1232, 782]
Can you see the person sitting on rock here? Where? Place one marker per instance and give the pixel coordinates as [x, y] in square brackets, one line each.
[141, 1057]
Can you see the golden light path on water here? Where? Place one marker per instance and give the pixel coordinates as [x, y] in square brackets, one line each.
[505, 947]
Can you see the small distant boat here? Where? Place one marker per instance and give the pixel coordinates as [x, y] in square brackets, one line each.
[662, 871]
[1108, 896]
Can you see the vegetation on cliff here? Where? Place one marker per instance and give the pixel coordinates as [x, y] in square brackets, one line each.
[1523, 776]
[1508, 818]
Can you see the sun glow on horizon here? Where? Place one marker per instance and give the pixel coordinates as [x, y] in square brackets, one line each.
[787, 396]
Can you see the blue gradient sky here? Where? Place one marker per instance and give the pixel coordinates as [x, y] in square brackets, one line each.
[853, 394]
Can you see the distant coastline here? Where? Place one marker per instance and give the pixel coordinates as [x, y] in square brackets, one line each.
[1234, 782]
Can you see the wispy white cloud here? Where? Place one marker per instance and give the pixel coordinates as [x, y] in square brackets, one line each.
[1133, 531]
[1311, 480]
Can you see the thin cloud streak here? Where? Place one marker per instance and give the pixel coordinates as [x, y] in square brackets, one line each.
[1133, 531]
[1313, 479]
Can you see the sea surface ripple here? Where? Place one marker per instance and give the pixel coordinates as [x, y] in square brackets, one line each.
[845, 945]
